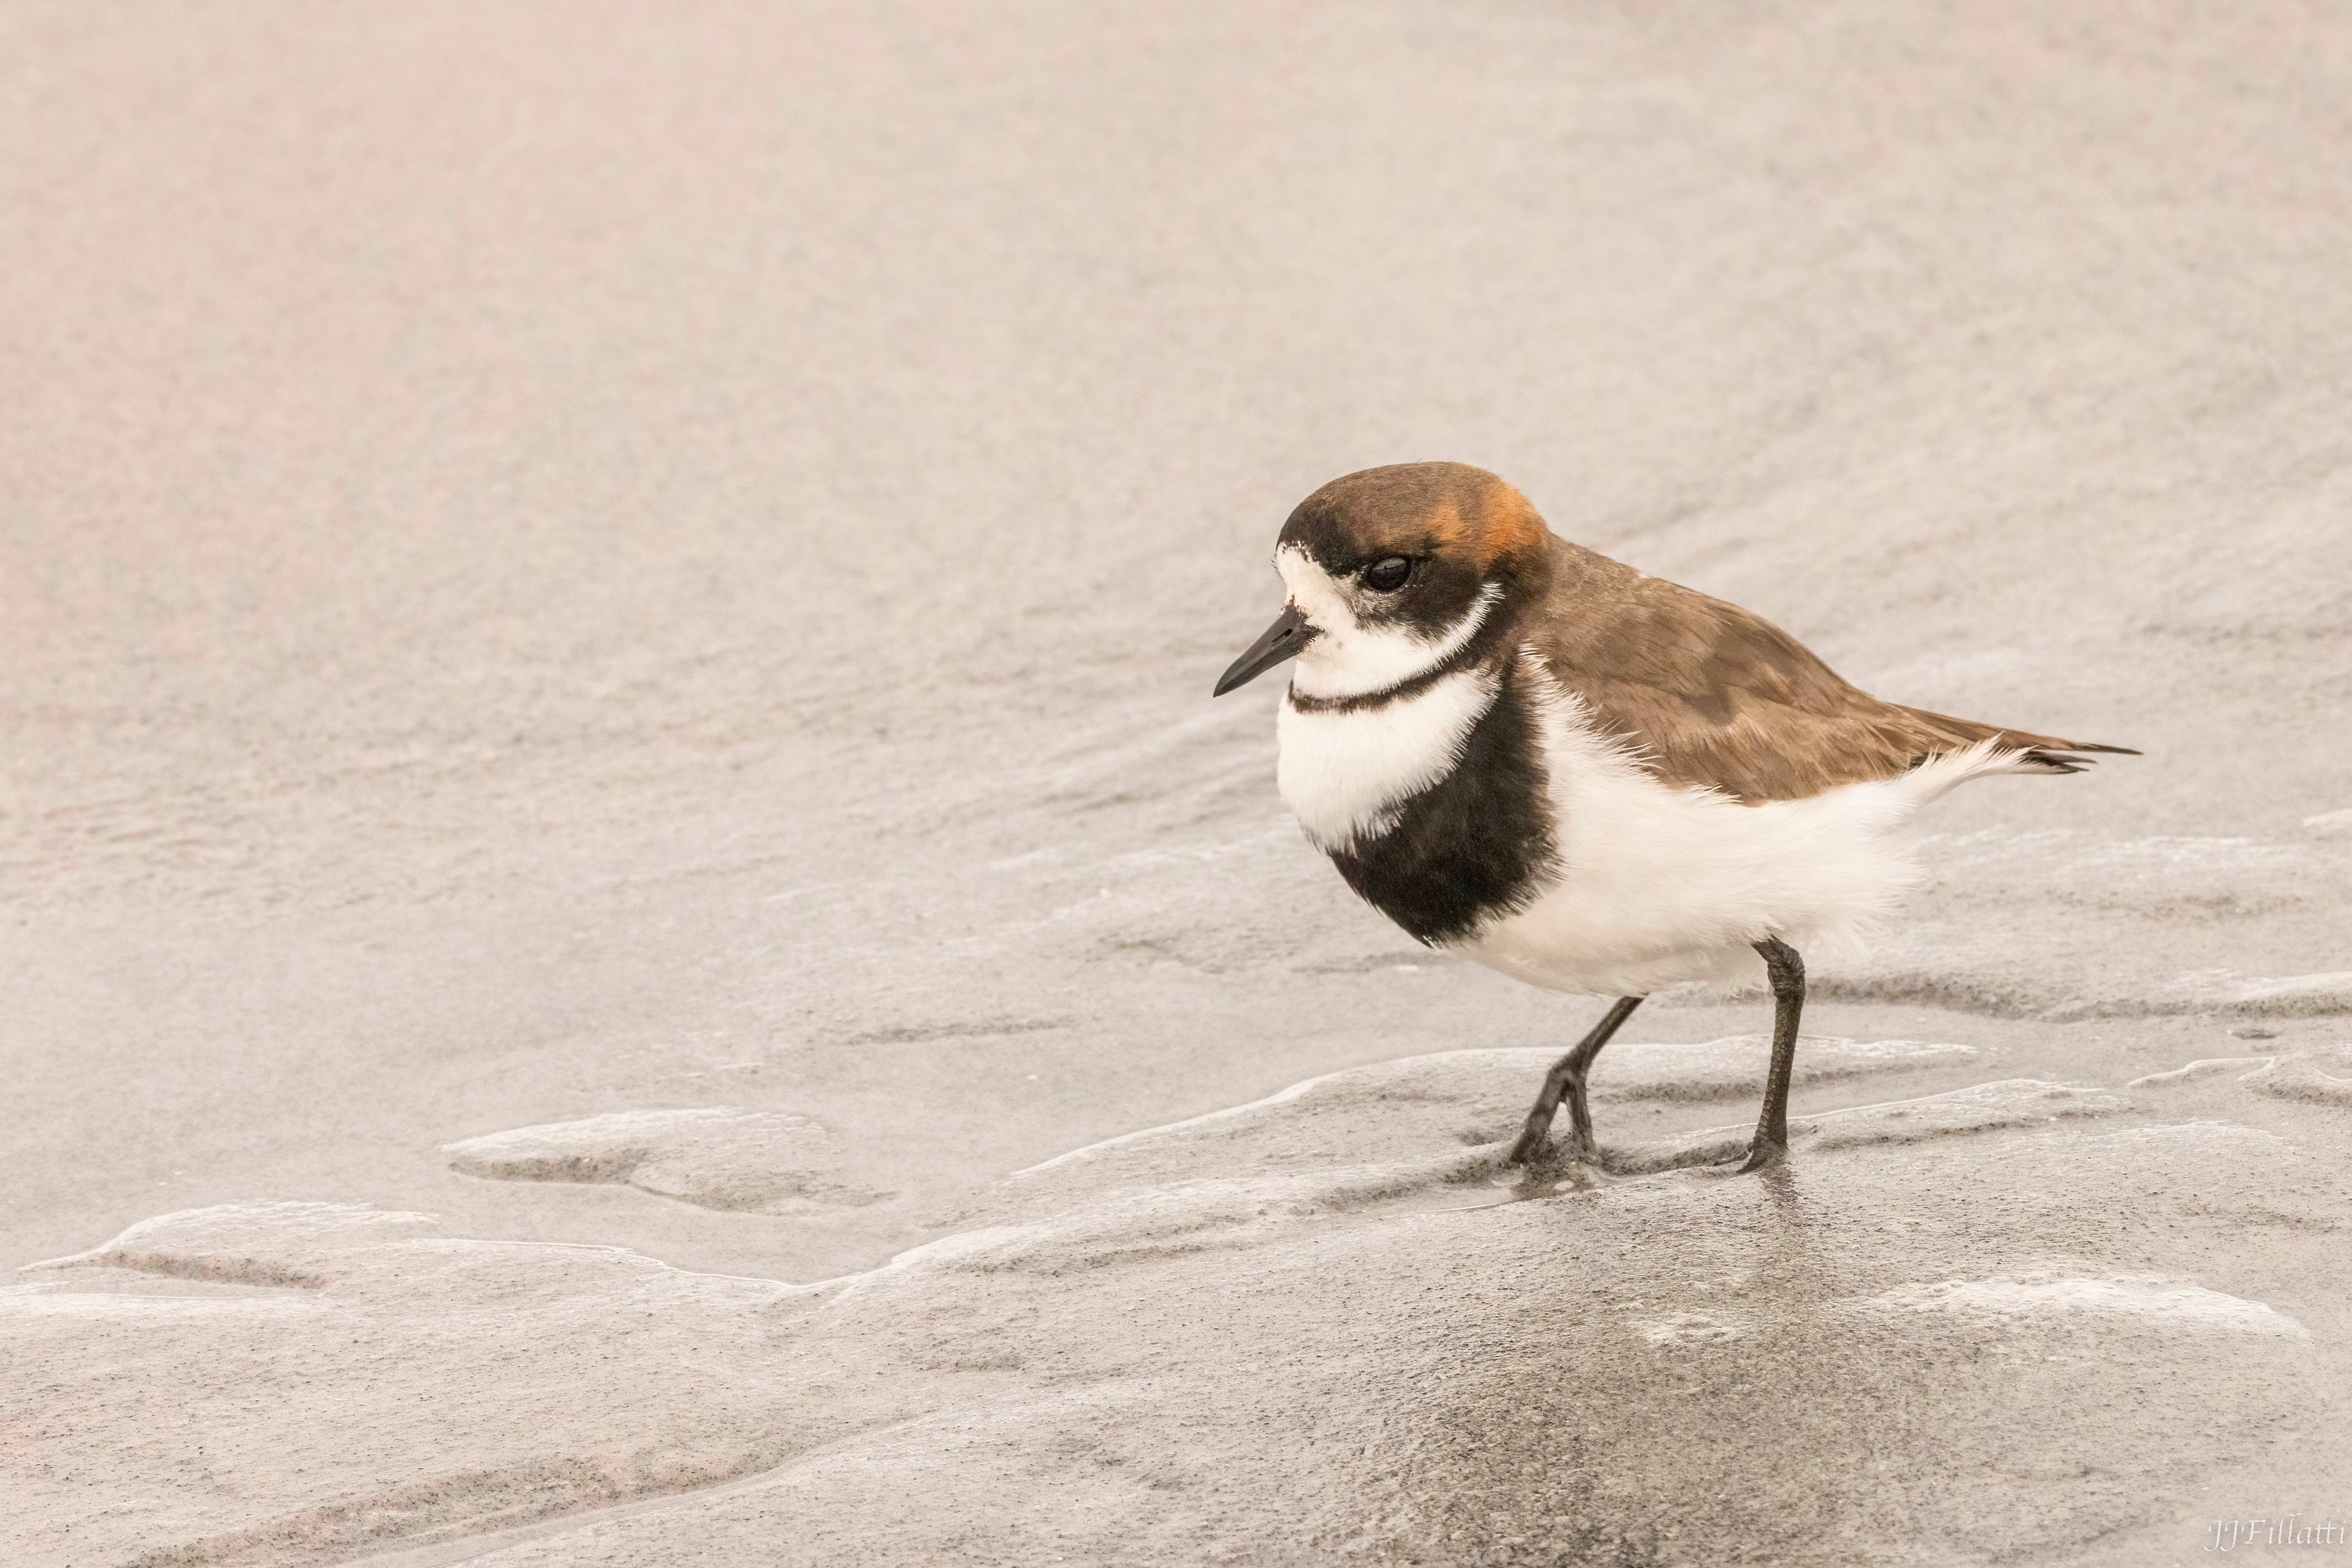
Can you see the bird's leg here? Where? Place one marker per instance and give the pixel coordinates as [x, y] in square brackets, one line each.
[1567, 1078]
[1770, 1143]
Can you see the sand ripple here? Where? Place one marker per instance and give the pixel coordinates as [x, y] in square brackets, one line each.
[718, 1158]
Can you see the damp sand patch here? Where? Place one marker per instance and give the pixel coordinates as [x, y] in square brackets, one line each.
[1150, 1357]
[1399, 1110]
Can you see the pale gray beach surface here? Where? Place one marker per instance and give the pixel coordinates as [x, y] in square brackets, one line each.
[631, 938]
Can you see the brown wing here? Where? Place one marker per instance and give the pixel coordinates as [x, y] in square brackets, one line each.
[1710, 694]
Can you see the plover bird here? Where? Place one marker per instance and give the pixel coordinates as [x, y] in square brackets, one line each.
[1588, 778]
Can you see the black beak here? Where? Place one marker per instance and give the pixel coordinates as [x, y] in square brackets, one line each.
[1282, 640]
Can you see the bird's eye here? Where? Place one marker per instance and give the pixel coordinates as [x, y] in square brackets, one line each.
[1387, 576]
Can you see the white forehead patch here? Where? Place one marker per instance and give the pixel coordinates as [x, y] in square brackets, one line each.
[1351, 660]
[1343, 774]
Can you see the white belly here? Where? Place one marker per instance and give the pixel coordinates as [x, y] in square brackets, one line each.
[1657, 886]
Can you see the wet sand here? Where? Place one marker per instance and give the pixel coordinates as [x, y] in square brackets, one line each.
[607, 618]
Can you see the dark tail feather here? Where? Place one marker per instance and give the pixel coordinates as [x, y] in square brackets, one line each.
[2044, 753]
[2046, 759]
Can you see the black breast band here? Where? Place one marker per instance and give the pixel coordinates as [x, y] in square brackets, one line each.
[1474, 844]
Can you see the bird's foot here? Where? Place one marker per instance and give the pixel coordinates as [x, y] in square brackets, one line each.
[1543, 1157]
[1762, 1154]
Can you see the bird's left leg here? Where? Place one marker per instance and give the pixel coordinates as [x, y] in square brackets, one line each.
[1566, 1080]
[1770, 1144]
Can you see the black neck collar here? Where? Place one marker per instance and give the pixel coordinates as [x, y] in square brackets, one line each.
[1469, 654]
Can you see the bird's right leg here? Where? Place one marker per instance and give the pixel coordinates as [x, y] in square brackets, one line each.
[1566, 1080]
[1770, 1144]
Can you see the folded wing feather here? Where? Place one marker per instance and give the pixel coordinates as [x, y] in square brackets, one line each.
[1710, 694]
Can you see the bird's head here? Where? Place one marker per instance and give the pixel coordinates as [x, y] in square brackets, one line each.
[1393, 572]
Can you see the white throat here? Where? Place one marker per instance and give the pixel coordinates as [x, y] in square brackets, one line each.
[1345, 772]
